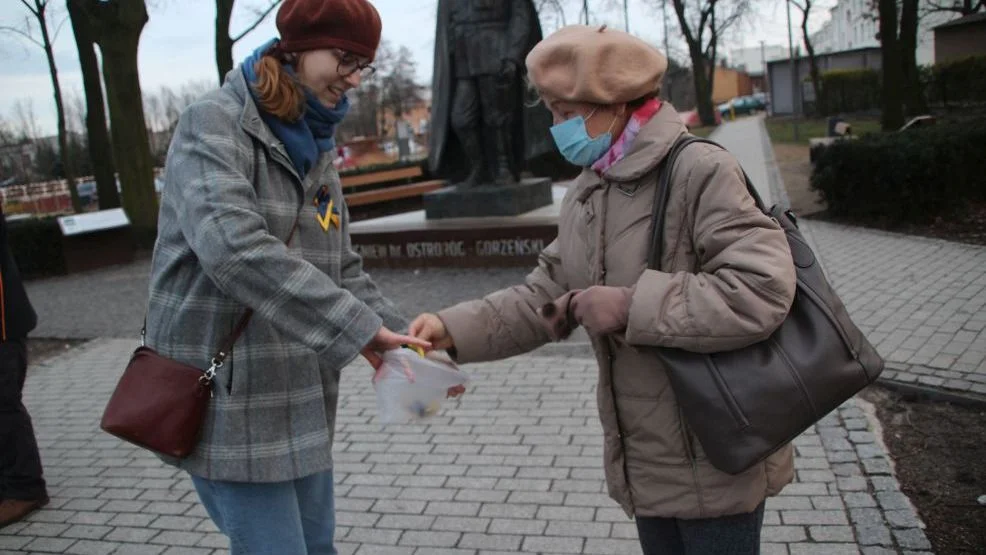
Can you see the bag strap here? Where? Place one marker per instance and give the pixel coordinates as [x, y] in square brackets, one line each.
[227, 344]
[664, 194]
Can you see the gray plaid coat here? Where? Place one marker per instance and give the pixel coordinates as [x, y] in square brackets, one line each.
[229, 201]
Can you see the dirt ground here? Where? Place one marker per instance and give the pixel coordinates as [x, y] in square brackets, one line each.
[938, 450]
[796, 172]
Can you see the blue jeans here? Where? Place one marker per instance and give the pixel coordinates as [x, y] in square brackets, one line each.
[290, 518]
[725, 535]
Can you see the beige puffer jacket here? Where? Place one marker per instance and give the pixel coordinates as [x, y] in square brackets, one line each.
[731, 284]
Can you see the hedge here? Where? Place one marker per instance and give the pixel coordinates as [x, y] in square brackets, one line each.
[910, 177]
[854, 90]
[36, 244]
[956, 82]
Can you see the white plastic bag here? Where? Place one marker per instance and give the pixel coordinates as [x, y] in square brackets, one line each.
[410, 387]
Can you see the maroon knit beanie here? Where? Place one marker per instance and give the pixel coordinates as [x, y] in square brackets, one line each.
[350, 25]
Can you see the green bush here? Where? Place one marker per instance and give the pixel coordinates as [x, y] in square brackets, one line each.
[906, 177]
[957, 82]
[854, 90]
[36, 244]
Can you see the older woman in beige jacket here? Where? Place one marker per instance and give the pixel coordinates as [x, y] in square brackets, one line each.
[728, 281]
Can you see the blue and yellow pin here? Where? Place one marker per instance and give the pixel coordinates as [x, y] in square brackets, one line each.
[326, 212]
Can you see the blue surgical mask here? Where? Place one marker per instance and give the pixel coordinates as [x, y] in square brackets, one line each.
[575, 144]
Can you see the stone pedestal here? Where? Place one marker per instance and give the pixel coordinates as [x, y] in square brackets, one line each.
[488, 200]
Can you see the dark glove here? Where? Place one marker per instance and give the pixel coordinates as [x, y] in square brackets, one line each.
[602, 309]
[556, 316]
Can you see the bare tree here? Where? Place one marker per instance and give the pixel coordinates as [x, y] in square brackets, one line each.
[961, 7]
[400, 92]
[98, 138]
[116, 26]
[821, 106]
[892, 110]
[703, 23]
[225, 41]
[41, 15]
[27, 121]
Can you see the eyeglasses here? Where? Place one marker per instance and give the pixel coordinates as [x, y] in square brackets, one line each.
[350, 64]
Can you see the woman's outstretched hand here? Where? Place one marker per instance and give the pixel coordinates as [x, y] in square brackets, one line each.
[386, 340]
[429, 327]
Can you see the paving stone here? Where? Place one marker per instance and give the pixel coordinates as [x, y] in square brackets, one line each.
[859, 499]
[373, 536]
[814, 517]
[430, 538]
[903, 519]
[131, 535]
[525, 527]
[783, 534]
[87, 532]
[612, 547]
[503, 542]
[534, 544]
[91, 547]
[912, 538]
[823, 549]
[874, 535]
[49, 545]
[831, 533]
[177, 538]
[890, 500]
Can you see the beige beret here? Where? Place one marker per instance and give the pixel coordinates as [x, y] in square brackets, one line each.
[579, 63]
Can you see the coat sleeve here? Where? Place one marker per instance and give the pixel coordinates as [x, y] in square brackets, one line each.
[359, 283]
[745, 282]
[506, 323]
[220, 220]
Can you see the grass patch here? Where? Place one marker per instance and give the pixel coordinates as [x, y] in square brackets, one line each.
[782, 130]
[703, 131]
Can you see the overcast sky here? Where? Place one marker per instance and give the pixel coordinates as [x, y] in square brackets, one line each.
[176, 46]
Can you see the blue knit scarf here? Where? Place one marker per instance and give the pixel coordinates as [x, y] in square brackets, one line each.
[310, 135]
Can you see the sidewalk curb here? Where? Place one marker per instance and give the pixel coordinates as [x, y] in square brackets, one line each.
[932, 393]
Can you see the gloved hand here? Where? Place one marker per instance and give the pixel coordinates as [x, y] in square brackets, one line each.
[602, 309]
[556, 316]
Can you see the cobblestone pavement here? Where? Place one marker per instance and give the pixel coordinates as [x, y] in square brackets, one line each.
[110, 302]
[922, 302]
[514, 467]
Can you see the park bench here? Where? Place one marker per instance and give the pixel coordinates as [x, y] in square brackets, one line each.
[372, 193]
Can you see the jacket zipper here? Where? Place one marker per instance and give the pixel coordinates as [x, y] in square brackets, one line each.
[692, 460]
[601, 280]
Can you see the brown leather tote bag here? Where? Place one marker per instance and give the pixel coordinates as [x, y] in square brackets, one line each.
[745, 404]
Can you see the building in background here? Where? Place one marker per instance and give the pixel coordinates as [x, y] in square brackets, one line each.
[960, 38]
[787, 96]
[753, 60]
[854, 25]
[730, 83]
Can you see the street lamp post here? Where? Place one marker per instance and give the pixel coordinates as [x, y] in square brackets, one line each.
[794, 70]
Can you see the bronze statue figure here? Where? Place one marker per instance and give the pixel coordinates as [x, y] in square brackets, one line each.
[482, 130]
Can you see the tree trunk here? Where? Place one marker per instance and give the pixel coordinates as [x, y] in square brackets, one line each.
[63, 153]
[703, 84]
[907, 46]
[703, 90]
[100, 149]
[893, 113]
[821, 108]
[224, 43]
[117, 25]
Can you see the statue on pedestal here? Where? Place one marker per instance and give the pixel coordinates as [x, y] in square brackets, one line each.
[483, 132]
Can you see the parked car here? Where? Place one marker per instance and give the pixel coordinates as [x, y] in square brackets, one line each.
[744, 105]
[691, 119]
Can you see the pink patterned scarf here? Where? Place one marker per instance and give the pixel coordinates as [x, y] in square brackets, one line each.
[622, 145]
